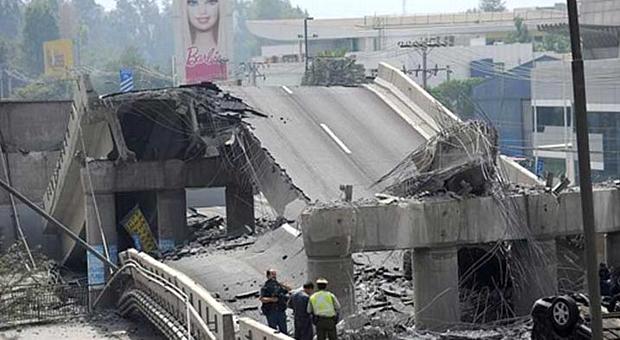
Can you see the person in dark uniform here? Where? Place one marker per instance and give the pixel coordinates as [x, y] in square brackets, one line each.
[274, 296]
[303, 320]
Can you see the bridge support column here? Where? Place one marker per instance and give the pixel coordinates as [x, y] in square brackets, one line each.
[612, 249]
[339, 272]
[239, 209]
[538, 273]
[100, 208]
[171, 218]
[436, 280]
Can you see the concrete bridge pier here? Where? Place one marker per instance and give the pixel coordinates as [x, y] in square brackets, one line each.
[98, 272]
[339, 272]
[239, 208]
[328, 245]
[436, 282]
[171, 218]
[612, 249]
[537, 272]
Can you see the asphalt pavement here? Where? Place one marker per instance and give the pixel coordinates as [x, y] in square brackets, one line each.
[327, 136]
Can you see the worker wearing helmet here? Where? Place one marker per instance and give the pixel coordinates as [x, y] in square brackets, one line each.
[324, 306]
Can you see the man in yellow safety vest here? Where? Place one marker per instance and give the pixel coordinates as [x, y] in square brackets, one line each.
[324, 307]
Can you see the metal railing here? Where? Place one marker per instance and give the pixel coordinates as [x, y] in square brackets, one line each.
[39, 303]
[181, 297]
[194, 312]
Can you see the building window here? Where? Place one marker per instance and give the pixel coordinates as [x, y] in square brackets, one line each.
[551, 116]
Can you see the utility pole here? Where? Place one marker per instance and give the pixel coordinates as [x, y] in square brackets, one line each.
[306, 19]
[1, 81]
[424, 47]
[585, 180]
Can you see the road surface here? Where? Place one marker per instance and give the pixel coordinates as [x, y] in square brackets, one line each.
[327, 136]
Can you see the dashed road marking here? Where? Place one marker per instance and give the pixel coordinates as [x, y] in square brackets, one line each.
[336, 139]
[286, 89]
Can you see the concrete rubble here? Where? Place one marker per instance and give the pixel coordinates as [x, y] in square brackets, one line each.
[460, 159]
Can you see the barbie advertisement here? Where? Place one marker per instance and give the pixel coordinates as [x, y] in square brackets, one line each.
[203, 39]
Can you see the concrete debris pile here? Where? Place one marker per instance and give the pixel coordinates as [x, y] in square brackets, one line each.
[30, 290]
[209, 235]
[334, 72]
[381, 286]
[460, 159]
[178, 123]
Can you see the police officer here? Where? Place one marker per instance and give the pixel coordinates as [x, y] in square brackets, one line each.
[299, 304]
[274, 296]
[325, 307]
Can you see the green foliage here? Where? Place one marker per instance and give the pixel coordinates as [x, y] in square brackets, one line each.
[274, 9]
[492, 5]
[10, 18]
[46, 89]
[40, 25]
[521, 33]
[339, 53]
[247, 45]
[456, 96]
[554, 42]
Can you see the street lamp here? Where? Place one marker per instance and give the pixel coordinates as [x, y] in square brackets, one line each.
[306, 19]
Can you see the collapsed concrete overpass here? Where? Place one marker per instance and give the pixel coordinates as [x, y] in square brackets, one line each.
[147, 147]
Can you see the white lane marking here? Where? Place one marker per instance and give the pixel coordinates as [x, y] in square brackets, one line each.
[336, 139]
[291, 230]
[286, 89]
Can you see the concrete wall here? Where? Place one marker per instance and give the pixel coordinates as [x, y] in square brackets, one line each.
[600, 12]
[31, 133]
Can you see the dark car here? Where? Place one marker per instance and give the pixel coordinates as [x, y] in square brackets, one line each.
[567, 317]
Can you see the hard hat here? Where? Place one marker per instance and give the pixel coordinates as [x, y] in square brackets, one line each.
[321, 280]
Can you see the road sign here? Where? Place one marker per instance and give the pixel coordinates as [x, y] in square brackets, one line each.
[540, 167]
[126, 80]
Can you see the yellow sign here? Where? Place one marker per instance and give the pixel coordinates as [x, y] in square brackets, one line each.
[58, 56]
[138, 228]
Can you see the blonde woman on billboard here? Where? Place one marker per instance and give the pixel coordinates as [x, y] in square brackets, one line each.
[204, 32]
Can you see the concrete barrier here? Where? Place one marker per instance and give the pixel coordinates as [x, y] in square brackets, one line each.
[437, 116]
[218, 317]
[253, 330]
[416, 94]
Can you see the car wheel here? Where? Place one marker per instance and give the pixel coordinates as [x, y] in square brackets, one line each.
[564, 313]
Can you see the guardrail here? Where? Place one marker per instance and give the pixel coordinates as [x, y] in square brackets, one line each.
[253, 330]
[189, 300]
[401, 85]
[416, 94]
[463, 18]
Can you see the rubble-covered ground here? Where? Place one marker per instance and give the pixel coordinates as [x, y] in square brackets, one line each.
[384, 296]
[106, 326]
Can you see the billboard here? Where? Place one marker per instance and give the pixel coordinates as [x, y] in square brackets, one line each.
[203, 39]
[58, 57]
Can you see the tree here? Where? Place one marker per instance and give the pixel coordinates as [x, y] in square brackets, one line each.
[247, 45]
[46, 89]
[554, 42]
[10, 18]
[274, 9]
[521, 33]
[40, 25]
[492, 5]
[456, 96]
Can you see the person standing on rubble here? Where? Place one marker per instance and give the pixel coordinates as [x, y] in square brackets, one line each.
[274, 296]
[299, 304]
[325, 308]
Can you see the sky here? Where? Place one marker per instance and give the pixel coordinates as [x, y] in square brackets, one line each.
[359, 8]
